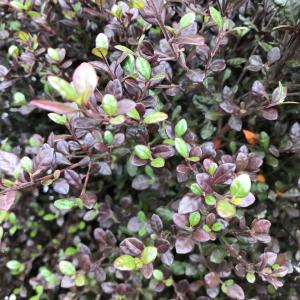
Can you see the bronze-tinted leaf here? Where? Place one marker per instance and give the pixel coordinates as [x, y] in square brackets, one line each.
[54, 106]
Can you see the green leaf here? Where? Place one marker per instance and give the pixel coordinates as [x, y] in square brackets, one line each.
[165, 213]
[225, 209]
[63, 87]
[149, 254]
[216, 16]
[207, 130]
[217, 227]
[117, 120]
[279, 94]
[272, 161]
[187, 20]
[13, 51]
[26, 164]
[264, 140]
[13, 265]
[210, 200]
[20, 5]
[109, 104]
[240, 31]
[212, 168]
[196, 189]
[194, 218]
[206, 228]
[158, 162]
[1, 233]
[142, 152]
[129, 64]
[125, 50]
[58, 119]
[53, 54]
[235, 62]
[181, 147]
[125, 263]
[80, 280]
[250, 277]
[155, 117]
[240, 186]
[181, 128]
[102, 45]
[108, 137]
[158, 275]
[144, 67]
[62, 204]
[137, 3]
[19, 99]
[134, 114]
[217, 256]
[67, 268]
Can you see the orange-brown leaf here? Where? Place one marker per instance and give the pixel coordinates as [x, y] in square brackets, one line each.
[250, 136]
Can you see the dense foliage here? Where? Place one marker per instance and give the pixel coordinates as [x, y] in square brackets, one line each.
[149, 149]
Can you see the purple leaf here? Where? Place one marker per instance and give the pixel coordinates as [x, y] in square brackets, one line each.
[261, 226]
[235, 292]
[270, 114]
[235, 122]
[162, 245]
[196, 40]
[140, 182]
[268, 258]
[224, 173]
[164, 151]
[132, 246]
[61, 186]
[247, 201]
[67, 282]
[203, 180]
[88, 199]
[147, 270]
[187, 205]
[167, 258]
[9, 162]
[7, 200]
[218, 65]
[212, 280]
[273, 55]
[124, 106]
[180, 220]
[156, 224]
[200, 235]
[73, 178]
[184, 244]
[43, 160]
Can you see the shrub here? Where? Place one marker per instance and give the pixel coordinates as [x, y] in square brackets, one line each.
[149, 149]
